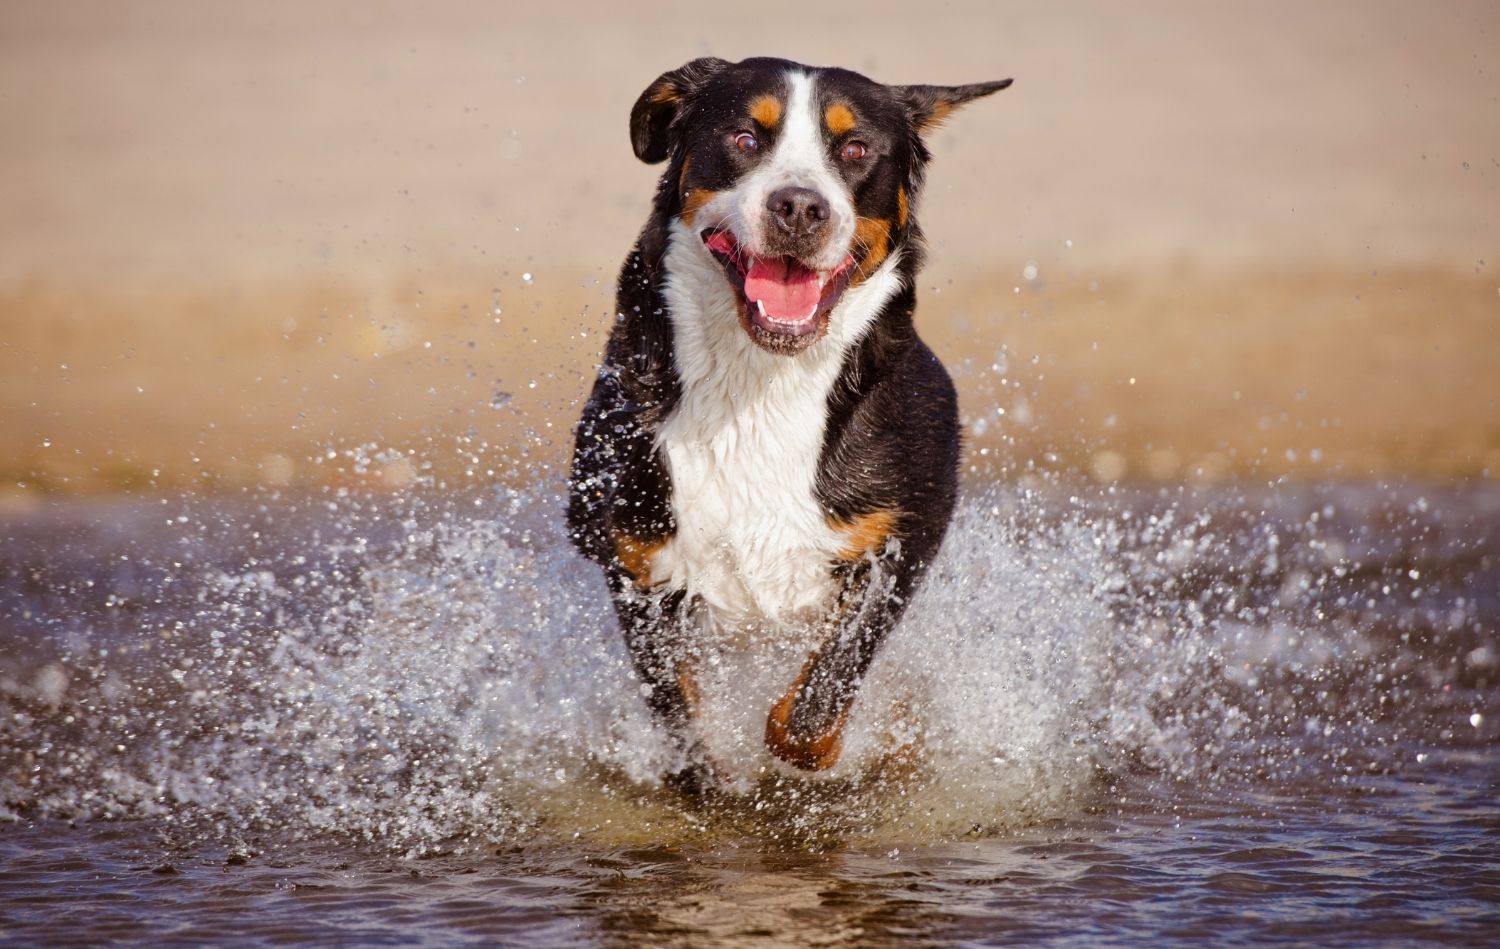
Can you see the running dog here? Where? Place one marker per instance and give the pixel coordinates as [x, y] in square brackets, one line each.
[768, 438]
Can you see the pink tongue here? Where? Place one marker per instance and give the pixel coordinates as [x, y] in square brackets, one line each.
[788, 291]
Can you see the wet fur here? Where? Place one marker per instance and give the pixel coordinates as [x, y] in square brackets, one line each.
[713, 470]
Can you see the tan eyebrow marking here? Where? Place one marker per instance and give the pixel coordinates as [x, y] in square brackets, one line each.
[766, 110]
[838, 118]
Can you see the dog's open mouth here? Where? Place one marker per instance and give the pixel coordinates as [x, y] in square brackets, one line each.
[781, 297]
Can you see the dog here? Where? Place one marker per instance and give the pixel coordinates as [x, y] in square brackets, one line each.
[768, 439]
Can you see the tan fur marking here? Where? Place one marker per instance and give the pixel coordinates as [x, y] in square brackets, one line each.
[766, 111]
[865, 533]
[839, 118]
[900, 758]
[667, 93]
[940, 112]
[693, 201]
[873, 235]
[635, 556]
[687, 684]
[817, 753]
[902, 209]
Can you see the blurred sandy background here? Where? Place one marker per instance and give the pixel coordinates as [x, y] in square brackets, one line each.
[1193, 241]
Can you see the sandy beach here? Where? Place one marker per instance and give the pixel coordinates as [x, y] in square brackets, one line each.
[1189, 243]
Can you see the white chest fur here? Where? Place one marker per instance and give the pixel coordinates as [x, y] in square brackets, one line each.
[743, 444]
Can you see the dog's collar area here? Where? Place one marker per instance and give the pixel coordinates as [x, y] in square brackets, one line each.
[780, 295]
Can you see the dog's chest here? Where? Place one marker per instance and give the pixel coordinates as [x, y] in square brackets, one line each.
[742, 448]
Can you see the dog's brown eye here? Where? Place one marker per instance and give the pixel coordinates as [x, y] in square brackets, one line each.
[853, 151]
[746, 142]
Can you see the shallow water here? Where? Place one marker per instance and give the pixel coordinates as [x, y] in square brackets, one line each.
[1233, 714]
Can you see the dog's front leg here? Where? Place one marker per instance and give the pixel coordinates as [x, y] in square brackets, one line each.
[652, 624]
[806, 726]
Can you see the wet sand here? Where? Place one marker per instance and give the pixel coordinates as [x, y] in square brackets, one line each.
[241, 237]
[1193, 376]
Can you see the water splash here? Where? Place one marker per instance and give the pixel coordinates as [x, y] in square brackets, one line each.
[424, 678]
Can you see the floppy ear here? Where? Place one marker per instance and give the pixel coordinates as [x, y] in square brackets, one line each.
[662, 102]
[928, 106]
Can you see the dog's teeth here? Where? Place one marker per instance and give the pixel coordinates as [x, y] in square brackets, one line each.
[761, 305]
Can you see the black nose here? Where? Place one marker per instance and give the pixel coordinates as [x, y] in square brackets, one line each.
[801, 212]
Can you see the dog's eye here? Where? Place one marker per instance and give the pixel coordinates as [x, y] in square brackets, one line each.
[746, 142]
[853, 151]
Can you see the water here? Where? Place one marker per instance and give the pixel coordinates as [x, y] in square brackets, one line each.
[1111, 716]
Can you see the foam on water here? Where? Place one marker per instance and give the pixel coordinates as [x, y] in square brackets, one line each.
[422, 680]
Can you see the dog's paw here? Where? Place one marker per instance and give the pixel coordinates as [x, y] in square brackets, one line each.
[695, 780]
[812, 750]
[698, 778]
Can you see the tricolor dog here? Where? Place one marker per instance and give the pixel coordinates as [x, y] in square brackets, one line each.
[768, 439]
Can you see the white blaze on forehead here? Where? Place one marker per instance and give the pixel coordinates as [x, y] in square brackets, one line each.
[799, 159]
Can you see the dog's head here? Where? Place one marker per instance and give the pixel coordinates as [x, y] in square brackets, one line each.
[799, 180]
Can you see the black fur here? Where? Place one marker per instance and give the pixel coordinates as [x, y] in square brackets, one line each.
[891, 443]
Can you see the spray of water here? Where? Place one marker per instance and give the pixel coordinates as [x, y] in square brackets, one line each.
[425, 679]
